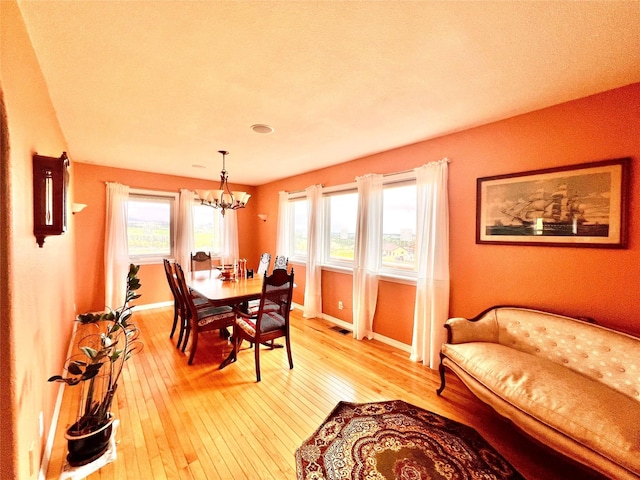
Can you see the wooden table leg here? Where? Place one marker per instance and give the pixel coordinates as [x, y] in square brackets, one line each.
[233, 353]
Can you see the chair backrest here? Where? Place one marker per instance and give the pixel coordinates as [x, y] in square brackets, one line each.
[171, 279]
[183, 290]
[174, 284]
[263, 266]
[277, 289]
[281, 262]
[201, 261]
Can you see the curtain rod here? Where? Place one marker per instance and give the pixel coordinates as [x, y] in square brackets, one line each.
[410, 170]
[398, 173]
[293, 192]
[445, 159]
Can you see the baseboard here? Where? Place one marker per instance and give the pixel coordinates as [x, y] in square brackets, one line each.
[376, 336]
[54, 421]
[392, 343]
[44, 464]
[149, 306]
[341, 323]
[46, 455]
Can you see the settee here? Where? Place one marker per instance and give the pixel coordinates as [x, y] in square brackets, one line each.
[568, 383]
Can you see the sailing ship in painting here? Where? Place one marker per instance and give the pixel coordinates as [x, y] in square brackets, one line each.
[557, 213]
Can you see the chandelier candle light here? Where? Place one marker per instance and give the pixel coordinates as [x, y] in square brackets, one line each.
[223, 198]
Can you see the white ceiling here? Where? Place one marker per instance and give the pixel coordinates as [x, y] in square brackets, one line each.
[163, 85]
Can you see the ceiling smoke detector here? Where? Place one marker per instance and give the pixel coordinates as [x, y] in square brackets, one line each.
[262, 128]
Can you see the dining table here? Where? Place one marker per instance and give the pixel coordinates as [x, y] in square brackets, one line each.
[227, 292]
[233, 292]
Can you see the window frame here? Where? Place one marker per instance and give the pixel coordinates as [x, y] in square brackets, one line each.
[399, 275]
[293, 198]
[220, 226]
[172, 198]
[398, 180]
[326, 260]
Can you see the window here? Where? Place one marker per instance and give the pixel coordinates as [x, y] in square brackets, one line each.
[341, 211]
[340, 203]
[207, 229]
[150, 225]
[298, 222]
[399, 227]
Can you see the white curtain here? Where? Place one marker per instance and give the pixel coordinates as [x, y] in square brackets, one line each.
[282, 234]
[230, 248]
[116, 245]
[432, 247]
[367, 255]
[184, 236]
[313, 285]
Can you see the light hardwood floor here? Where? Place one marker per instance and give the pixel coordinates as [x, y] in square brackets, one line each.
[197, 422]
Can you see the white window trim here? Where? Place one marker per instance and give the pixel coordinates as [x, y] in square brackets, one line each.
[294, 197]
[157, 259]
[400, 179]
[326, 262]
[386, 273]
[215, 255]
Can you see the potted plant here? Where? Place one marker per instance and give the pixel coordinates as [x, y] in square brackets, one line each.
[107, 341]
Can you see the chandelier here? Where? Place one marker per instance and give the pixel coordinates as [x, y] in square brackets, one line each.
[223, 198]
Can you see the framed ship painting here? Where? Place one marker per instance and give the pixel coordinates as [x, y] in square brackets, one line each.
[581, 205]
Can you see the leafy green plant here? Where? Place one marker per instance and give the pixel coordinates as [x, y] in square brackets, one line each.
[103, 354]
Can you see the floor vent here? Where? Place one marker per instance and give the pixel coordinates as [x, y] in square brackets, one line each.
[338, 329]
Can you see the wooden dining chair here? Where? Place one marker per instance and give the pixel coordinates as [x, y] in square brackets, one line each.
[201, 318]
[268, 324]
[179, 309]
[168, 270]
[200, 261]
[262, 270]
[281, 262]
[263, 265]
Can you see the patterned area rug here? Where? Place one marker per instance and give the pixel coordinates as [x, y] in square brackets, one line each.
[396, 440]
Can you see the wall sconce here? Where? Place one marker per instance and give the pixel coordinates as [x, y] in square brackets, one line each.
[50, 185]
[263, 216]
[77, 207]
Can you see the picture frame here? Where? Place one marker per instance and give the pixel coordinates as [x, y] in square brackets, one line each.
[583, 205]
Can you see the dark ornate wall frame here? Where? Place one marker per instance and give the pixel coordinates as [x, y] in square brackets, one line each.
[583, 205]
[50, 192]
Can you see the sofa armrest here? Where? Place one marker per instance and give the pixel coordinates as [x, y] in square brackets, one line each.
[462, 330]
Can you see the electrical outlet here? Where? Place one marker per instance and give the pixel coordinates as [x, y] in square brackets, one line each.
[340, 305]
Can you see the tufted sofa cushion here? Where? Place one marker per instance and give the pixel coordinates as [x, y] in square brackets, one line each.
[568, 383]
[610, 357]
[598, 417]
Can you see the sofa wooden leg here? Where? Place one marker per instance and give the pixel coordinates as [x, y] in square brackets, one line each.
[442, 382]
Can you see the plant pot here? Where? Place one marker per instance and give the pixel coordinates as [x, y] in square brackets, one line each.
[86, 448]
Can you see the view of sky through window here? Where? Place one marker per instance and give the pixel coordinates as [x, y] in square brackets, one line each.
[149, 226]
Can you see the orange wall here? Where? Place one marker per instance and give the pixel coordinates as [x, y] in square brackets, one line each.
[37, 283]
[90, 189]
[600, 283]
[40, 286]
[575, 281]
